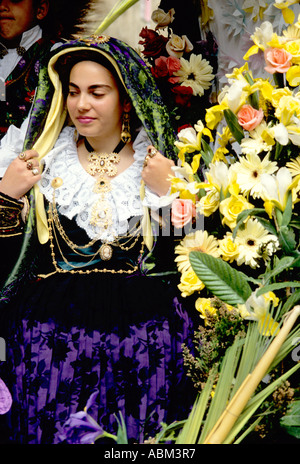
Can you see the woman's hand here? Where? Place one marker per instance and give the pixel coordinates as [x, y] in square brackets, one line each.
[22, 173]
[156, 171]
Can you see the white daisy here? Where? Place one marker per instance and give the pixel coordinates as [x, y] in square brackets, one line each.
[248, 173]
[195, 73]
[250, 241]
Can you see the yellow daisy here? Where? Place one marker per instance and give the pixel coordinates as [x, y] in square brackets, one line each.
[197, 241]
[294, 166]
[292, 32]
[249, 170]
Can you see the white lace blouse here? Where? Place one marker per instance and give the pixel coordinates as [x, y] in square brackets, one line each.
[75, 198]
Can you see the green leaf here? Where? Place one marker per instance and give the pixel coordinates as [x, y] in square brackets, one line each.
[296, 263]
[277, 286]
[254, 97]
[233, 124]
[287, 240]
[282, 265]
[207, 153]
[122, 431]
[278, 150]
[292, 300]
[220, 278]
[288, 211]
[291, 421]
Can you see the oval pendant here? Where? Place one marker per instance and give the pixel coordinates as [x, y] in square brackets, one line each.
[105, 252]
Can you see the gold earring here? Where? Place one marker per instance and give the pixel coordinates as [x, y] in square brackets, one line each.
[125, 134]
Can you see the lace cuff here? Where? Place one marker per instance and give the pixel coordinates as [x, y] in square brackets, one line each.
[155, 202]
[11, 223]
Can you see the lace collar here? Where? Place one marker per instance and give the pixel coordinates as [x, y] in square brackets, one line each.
[75, 198]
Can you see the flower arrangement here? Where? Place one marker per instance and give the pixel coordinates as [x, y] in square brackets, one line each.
[184, 72]
[249, 184]
[240, 171]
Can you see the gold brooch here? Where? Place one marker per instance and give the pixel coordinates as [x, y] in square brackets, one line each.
[96, 39]
[105, 252]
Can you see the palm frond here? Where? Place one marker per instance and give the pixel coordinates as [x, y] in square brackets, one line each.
[119, 8]
[220, 417]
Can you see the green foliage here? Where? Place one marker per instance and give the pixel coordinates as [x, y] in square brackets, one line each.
[211, 342]
[206, 152]
[225, 282]
[291, 421]
[224, 381]
[233, 125]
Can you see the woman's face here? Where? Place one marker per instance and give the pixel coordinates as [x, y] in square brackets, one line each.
[93, 101]
[18, 16]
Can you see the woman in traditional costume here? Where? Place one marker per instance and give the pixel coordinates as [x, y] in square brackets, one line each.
[90, 306]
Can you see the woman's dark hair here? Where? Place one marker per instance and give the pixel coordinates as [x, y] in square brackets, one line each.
[66, 62]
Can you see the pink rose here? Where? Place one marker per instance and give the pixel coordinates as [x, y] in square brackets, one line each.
[161, 68]
[278, 60]
[249, 118]
[173, 64]
[165, 67]
[182, 212]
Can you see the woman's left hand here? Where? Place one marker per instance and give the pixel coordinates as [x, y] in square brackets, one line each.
[156, 171]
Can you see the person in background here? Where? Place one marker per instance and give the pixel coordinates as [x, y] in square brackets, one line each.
[28, 30]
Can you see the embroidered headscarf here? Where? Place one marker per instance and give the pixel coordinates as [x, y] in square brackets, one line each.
[49, 114]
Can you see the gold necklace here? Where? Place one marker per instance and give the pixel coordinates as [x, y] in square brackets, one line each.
[105, 165]
[105, 250]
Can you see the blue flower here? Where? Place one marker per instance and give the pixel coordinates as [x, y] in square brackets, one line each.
[81, 428]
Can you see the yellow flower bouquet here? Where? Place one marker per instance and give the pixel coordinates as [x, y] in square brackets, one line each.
[241, 171]
[245, 164]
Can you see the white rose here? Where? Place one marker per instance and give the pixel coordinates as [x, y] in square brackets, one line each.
[161, 18]
[176, 46]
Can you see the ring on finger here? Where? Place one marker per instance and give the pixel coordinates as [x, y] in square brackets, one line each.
[35, 171]
[29, 164]
[152, 152]
[146, 161]
[22, 155]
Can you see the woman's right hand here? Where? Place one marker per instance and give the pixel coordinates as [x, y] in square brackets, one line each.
[21, 175]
